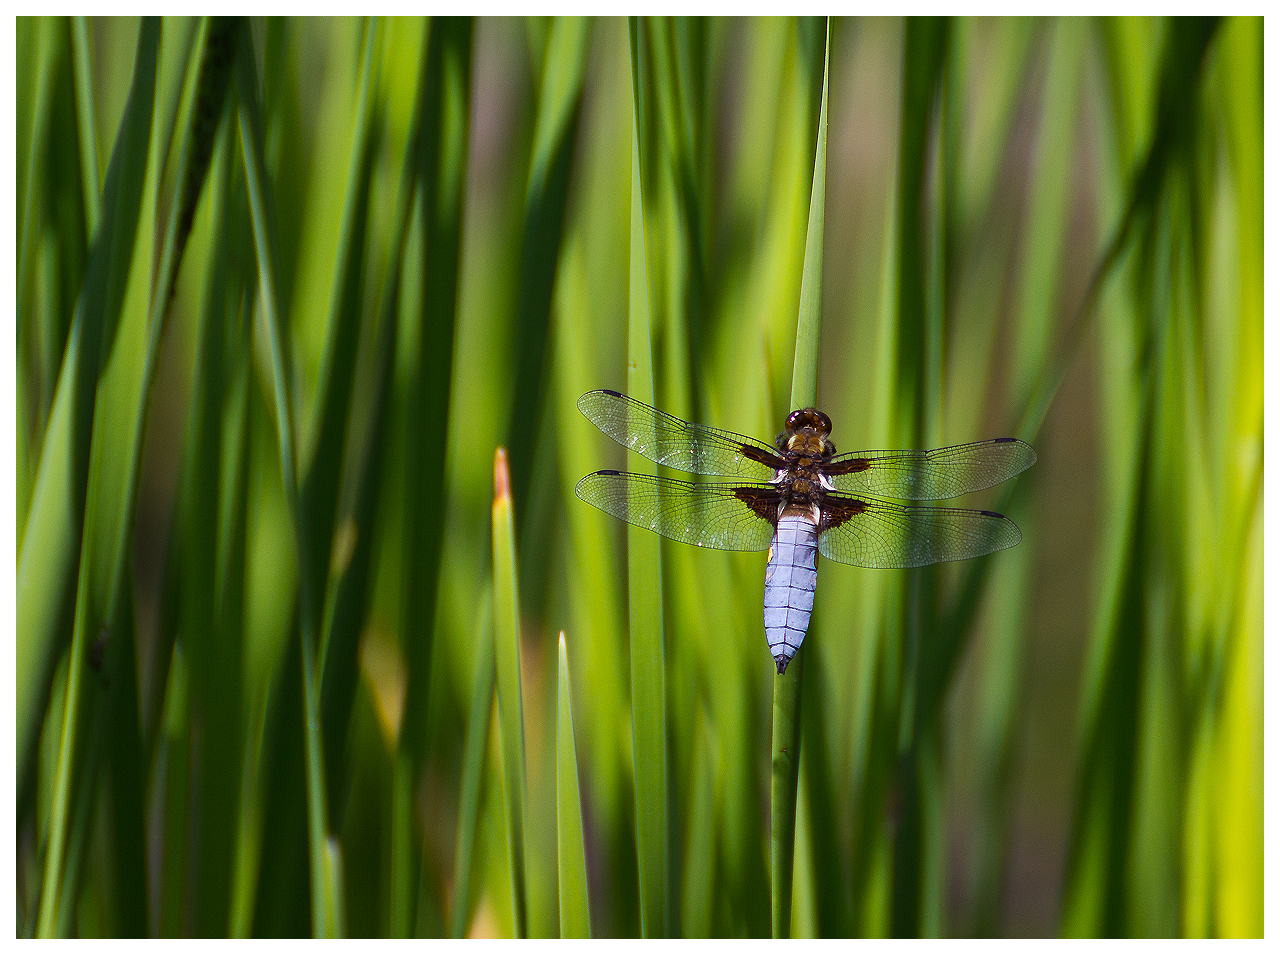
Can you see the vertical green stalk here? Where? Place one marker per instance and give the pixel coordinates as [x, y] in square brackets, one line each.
[644, 579]
[918, 373]
[571, 854]
[323, 903]
[443, 111]
[50, 551]
[51, 545]
[478, 718]
[506, 606]
[346, 599]
[86, 121]
[131, 356]
[214, 653]
[546, 201]
[785, 763]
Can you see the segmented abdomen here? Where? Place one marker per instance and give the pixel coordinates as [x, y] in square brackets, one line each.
[789, 582]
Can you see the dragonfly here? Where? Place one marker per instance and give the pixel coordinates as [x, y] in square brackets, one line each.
[798, 498]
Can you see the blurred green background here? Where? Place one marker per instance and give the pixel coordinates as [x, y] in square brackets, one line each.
[284, 286]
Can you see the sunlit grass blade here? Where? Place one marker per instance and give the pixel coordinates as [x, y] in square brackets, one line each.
[1040, 288]
[644, 579]
[1179, 80]
[555, 133]
[699, 895]
[1238, 901]
[478, 718]
[51, 541]
[319, 488]
[36, 60]
[96, 546]
[260, 204]
[785, 764]
[441, 125]
[172, 763]
[596, 602]
[918, 385]
[86, 118]
[335, 914]
[784, 780]
[216, 696]
[575, 909]
[63, 232]
[53, 234]
[828, 889]
[1095, 892]
[198, 106]
[506, 617]
[1124, 647]
[130, 361]
[230, 582]
[275, 846]
[348, 595]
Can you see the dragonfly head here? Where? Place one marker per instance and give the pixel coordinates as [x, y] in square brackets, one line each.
[809, 419]
[806, 433]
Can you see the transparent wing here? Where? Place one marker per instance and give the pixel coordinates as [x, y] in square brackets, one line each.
[721, 516]
[872, 533]
[930, 475]
[678, 444]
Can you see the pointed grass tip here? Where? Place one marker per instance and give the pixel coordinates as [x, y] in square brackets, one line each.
[501, 476]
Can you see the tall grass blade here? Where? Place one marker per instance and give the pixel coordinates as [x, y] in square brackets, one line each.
[50, 550]
[699, 894]
[506, 605]
[214, 651]
[571, 854]
[478, 718]
[444, 107]
[230, 572]
[348, 596]
[546, 197]
[320, 487]
[1237, 902]
[785, 763]
[644, 580]
[86, 120]
[918, 387]
[323, 904]
[115, 461]
[54, 234]
[596, 602]
[76, 770]
[1123, 646]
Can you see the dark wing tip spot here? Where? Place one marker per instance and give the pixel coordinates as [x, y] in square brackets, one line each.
[986, 513]
[1006, 440]
[619, 472]
[608, 392]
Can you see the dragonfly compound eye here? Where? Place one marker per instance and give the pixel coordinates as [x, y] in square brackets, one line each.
[810, 418]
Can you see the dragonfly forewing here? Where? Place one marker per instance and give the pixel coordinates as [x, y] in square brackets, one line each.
[671, 442]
